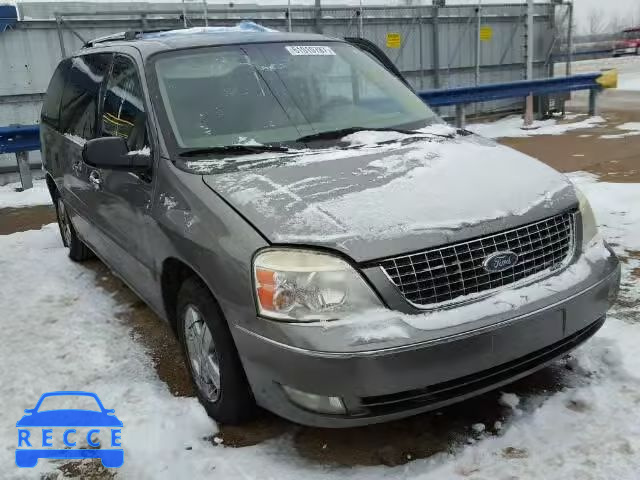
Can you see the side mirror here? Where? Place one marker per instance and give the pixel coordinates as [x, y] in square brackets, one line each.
[112, 153]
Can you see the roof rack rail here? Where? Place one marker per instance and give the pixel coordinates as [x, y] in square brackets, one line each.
[108, 38]
[128, 35]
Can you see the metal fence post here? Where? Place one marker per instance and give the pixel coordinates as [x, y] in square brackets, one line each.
[570, 39]
[528, 112]
[318, 17]
[461, 116]
[478, 43]
[24, 169]
[593, 101]
[421, 48]
[436, 46]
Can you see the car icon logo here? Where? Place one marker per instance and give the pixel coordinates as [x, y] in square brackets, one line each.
[500, 261]
[35, 429]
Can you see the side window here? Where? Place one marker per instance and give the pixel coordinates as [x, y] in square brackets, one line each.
[79, 109]
[123, 114]
[51, 105]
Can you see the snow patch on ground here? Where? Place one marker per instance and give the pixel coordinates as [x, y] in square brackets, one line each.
[38, 195]
[632, 129]
[511, 127]
[62, 332]
[616, 207]
[629, 81]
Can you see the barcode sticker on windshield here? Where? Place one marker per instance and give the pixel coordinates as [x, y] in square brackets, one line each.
[310, 50]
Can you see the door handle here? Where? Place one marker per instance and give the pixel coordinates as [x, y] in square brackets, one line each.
[95, 180]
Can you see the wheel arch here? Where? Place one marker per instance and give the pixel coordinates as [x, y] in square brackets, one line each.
[52, 187]
[174, 273]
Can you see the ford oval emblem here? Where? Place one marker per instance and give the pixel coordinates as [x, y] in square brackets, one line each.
[500, 261]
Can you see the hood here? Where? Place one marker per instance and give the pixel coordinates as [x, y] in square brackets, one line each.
[383, 200]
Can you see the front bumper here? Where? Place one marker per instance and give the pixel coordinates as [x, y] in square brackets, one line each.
[398, 381]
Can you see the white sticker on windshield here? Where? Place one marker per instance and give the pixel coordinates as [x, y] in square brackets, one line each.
[309, 50]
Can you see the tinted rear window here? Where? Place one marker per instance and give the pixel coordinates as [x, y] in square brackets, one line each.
[51, 106]
[79, 109]
[123, 114]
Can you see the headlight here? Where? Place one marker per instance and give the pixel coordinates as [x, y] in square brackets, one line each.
[589, 227]
[305, 286]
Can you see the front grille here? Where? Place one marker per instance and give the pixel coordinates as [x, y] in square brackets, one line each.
[447, 273]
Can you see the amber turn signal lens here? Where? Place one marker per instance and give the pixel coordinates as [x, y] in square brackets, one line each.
[266, 286]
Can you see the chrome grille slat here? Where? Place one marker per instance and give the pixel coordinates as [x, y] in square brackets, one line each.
[466, 270]
[443, 274]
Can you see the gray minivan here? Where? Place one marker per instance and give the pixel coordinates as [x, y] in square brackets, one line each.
[323, 244]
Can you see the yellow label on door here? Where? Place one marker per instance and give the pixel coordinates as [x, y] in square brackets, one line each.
[394, 40]
[486, 34]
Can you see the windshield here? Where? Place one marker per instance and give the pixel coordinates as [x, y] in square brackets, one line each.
[275, 93]
[631, 35]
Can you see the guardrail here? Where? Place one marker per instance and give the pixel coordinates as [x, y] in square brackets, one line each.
[462, 96]
[21, 139]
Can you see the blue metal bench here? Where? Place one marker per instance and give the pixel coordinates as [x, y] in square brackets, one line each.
[21, 139]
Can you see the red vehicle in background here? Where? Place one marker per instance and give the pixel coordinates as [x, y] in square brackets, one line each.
[628, 43]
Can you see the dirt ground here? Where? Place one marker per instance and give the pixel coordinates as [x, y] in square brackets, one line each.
[614, 160]
[396, 442]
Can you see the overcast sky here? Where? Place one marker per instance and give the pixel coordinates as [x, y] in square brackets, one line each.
[622, 8]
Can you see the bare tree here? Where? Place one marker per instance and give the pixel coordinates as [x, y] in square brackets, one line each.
[619, 22]
[596, 22]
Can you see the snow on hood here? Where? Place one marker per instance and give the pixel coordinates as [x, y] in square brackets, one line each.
[380, 201]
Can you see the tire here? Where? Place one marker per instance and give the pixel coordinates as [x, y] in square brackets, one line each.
[78, 251]
[233, 402]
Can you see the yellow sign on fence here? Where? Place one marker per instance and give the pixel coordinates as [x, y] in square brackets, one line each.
[394, 40]
[486, 33]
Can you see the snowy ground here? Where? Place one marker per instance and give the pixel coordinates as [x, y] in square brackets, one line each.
[511, 127]
[38, 195]
[62, 331]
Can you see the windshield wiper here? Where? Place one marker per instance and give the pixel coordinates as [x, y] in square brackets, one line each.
[343, 132]
[233, 150]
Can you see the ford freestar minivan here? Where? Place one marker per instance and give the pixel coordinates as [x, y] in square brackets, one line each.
[323, 244]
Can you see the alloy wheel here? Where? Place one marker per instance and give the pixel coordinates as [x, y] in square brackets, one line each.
[201, 353]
